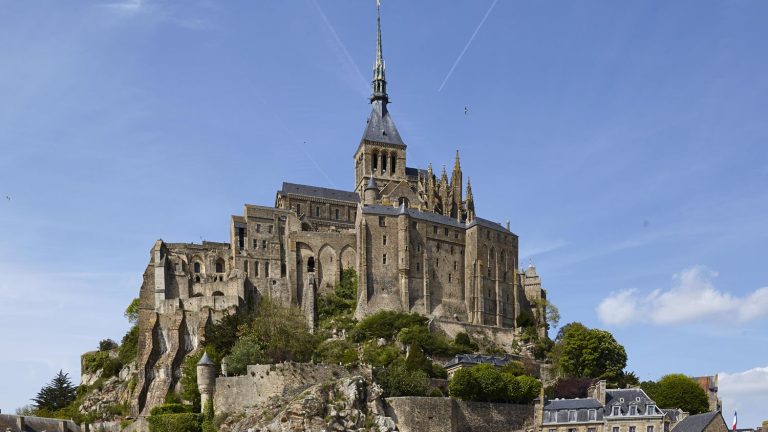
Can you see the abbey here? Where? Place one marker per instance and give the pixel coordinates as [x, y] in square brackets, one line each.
[413, 237]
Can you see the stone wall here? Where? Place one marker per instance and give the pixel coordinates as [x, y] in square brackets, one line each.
[417, 414]
[263, 382]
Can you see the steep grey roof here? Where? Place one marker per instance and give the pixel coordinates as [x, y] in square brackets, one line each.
[473, 359]
[633, 396]
[381, 127]
[696, 423]
[205, 360]
[320, 192]
[671, 414]
[570, 404]
[426, 216]
[371, 184]
[489, 224]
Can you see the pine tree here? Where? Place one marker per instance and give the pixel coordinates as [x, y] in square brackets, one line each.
[58, 394]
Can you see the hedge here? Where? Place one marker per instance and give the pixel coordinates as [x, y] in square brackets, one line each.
[186, 422]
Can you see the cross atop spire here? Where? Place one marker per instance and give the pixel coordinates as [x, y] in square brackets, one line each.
[379, 81]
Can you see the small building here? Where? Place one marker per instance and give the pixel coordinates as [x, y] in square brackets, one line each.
[463, 361]
[707, 422]
[15, 423]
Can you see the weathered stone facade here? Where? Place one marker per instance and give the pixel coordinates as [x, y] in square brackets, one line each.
[414, 239]
[421, 414]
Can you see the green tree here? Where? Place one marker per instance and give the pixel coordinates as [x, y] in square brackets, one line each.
[590, 353]
[189, 390]
[248, 350]
[486, 383]
[398, 380]
[57, 394]
[132, 312]
[680, 391]
[336, 309]
[221, 337]
[385, 324]
[549, 311]
[336, 352]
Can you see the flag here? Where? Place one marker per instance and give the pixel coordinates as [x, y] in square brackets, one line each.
[735, 419]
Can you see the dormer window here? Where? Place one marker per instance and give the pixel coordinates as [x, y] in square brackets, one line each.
[572, 416]
[650, 410]
[547, 416]
[616, 410]
[633, 410]
[592, 415]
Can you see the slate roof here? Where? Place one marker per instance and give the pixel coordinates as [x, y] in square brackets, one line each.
[489, 224]
[696, 423]
[570, 404]
[381, 127]
[320, 192]
[633, 396]
[430, 217]
[205, 360]
[476, 359]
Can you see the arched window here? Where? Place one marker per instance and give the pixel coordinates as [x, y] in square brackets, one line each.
[218, 294]
[403, 200]
[220, 266]
[197, 267]
[392, 163]
[375, 160]
[384, 163]
[311, 265]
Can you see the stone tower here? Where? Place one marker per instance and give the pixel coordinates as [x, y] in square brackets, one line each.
[206, 380]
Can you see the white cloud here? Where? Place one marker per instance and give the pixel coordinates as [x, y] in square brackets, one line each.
[692, 298]
[745, 392]
[127, 6]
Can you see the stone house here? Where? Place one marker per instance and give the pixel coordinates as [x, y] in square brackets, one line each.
[706, 422]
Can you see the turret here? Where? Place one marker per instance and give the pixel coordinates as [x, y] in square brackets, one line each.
[206, 380]
[371, 194]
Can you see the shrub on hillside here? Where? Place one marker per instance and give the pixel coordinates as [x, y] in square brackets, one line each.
[385, 324]
[398, 380]
[129, 346]
[336, 352]
[485, 383]
[186, 422]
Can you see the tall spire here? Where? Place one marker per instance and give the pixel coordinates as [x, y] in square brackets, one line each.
[379, 81]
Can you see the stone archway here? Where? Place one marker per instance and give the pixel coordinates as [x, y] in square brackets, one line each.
[348, 258]
[328, 265]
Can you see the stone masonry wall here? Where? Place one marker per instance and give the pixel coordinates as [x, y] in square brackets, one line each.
[417, 414]
[263, 382]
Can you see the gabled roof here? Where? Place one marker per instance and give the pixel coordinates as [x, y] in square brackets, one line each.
[698, 422]
[572, 404]
[320, 192]
[626, 397]
[381, 127]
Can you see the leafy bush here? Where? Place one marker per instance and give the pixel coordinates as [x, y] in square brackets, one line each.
[107, 345]
[186, 422]
[525, 319]
[485, 383]
[465, 343]
[335, 310]
[221, 337]
[248, 350]
[102, 361]
[514, 367]
[399, 380]
[129, 346]
[282, 333]
[170, 408]
[431, 343]
[132, 311]
[189, 390]
[385, 324]
[379, 356]
[336, 352]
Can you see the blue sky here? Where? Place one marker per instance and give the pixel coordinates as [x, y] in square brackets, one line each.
[624, 141]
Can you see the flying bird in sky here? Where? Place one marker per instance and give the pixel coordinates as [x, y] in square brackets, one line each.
[466, 110]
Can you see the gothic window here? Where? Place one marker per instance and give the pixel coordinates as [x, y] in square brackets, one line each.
[375, 160]
[311, 265]
[383, 162]
[196, 266]
[219, 266]
[392, 162]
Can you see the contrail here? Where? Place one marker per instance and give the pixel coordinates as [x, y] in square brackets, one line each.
[466, 47]
[343, 47]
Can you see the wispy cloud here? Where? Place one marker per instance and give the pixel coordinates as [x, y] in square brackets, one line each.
[692, 298]
[127, 6]
[541, 248]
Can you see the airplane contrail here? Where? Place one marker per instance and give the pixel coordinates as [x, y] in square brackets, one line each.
[466, 47]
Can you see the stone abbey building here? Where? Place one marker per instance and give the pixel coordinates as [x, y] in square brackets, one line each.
[413, 237]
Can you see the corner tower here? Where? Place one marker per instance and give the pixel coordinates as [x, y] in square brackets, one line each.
[381, 153]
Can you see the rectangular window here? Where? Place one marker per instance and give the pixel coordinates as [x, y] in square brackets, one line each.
[384, 259]
[317, 211]
[455, 266]
[384, 240]
[552, 430]
[434, 229]
[437, 262]
[255, 268]
[450, 278]
[615, 411]
[615, 429]
[571, 429]
[592, 415]
[336, 211]
[258, 228]
[438, 247]
[245, 267]
[632, 429]
[418, 247]
[264, 244]
[418, 267]
[572, 416]
[445, 231]
[591, 429]
[269, 229]
[451, 250]
[298, 209]
[632, 410]
[255, 244]
[455, 234]
[382, 221]
[649, 429]
[266, 269]
[650, 410]
[415, 224]
[241, 237]
[547, 417]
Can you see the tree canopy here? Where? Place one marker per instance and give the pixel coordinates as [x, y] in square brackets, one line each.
[588, 353]
[57, 394]
[677, 391]
[486, 383]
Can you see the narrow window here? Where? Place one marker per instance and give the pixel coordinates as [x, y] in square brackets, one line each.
[418, 267]
[375, 160]
[266, 269]
[438, 247]
[241, 237]
[264, 244]
[591, 414]
[255, 268]
[298, 209]
[418, 247]
[455, 266]
[649, 429]
[615, 411]
[317, 211]
[547, 416]
[382, 221]
[255, 244]
[615, 429]
[269, 229]
[415, 224]
[384, 259]
[311, 265]
[336, 212]
[383, 162]
[445, 232]
[450, 278]
[434, 229]
[451, 249]
[632, 411]
[489, 272]
[572, 415]
[219, 267]
[632, 429]
[197, 267]
[245, 267]
[384, 240]
[392, 163]
[258, 228]
[456, 234]
[650, 410]
[282, 270]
